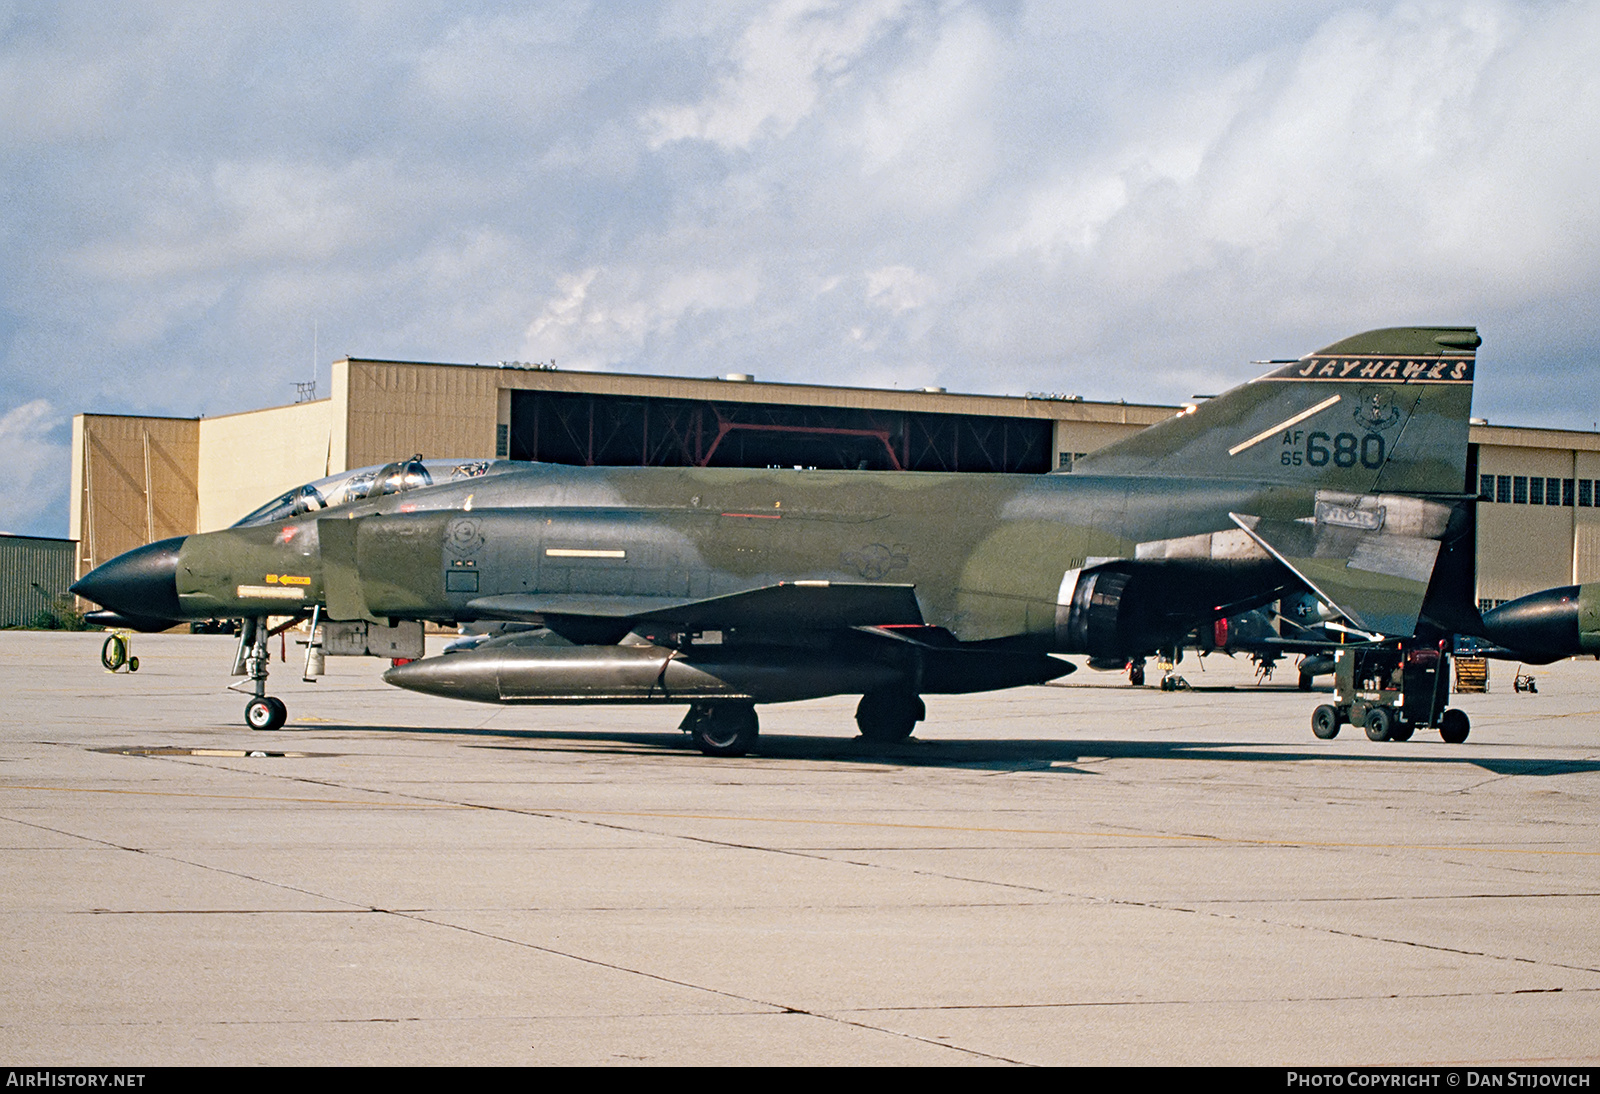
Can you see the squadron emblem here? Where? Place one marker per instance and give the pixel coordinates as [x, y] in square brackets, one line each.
[1375, 410]
[463, 536]
[875, 560]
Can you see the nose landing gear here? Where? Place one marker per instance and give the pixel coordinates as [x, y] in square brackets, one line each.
[263, 711]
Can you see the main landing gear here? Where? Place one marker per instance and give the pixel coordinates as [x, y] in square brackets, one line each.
[731, 728]
[263, 711]
[722, 729]
[885, 717]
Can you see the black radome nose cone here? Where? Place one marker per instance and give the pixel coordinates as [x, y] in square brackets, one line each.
[143, 583]
[1541, 627]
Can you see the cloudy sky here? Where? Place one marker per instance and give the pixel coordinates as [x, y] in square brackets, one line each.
[200, 204]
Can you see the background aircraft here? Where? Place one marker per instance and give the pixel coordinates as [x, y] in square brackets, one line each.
[1295, 624]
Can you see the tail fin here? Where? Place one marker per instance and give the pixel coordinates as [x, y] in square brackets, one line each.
[1382, 411]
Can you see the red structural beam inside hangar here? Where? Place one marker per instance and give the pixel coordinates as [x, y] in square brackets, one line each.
[629, 431]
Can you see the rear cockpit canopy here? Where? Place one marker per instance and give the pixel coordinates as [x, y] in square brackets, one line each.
[370, 482]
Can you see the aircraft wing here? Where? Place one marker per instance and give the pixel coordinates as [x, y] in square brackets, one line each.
[803, 605]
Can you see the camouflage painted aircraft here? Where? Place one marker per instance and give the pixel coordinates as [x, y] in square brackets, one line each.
[1341, 473]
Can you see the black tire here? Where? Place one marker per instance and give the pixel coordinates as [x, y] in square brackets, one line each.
[1325, 723]
[885, 717]
[133, 664]
[114, 652]
[1306, 681]
[265, 712]
[725, 729]
[1454, 726]
[1379, 723]
[1401, 730]
[1136, 675]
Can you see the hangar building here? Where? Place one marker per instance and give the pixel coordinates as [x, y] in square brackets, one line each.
[34, 575]
[137, 479]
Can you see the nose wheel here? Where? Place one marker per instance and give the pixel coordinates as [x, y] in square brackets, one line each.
[265, 712]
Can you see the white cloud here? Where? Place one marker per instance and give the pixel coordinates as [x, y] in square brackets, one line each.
[36, 468]
[925, 132]
[898, 289]
[784, 63]
[246, 213]
[595, 322]
[521, 67]
[1402, 167]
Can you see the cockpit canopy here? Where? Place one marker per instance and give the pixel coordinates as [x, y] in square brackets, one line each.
[370, 482]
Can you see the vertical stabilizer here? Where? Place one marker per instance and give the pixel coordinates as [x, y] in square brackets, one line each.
[1382, 411]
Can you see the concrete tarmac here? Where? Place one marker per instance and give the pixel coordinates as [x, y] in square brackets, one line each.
[1078, 874]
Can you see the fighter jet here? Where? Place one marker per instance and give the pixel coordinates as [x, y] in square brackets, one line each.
[1340, 474]
[1294, 624]
[1546, 626]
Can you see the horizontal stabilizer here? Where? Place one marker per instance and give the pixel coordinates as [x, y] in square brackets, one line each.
[1376, 578]
[788, 604]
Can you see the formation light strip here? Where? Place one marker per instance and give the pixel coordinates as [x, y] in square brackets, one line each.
[1285, 424]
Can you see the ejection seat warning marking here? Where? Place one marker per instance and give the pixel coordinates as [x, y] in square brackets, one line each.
[582, 552]
[1272, 431]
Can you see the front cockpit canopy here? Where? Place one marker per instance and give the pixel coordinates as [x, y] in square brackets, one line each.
[369, 482]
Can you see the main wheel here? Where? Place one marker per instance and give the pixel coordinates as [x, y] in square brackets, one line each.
[1401, 730]
[1136, 674]
[1454, 725]
[1325, 722]
[889, 716]
[265, 712]
[1305, 681]
[724, 729]
[1379, 723]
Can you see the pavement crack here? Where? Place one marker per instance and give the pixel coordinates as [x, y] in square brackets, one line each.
[781, 1008]
[356, 906]
[1215, 1001]
[634, 829]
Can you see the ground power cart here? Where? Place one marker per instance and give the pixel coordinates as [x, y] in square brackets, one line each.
[1390, 693]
